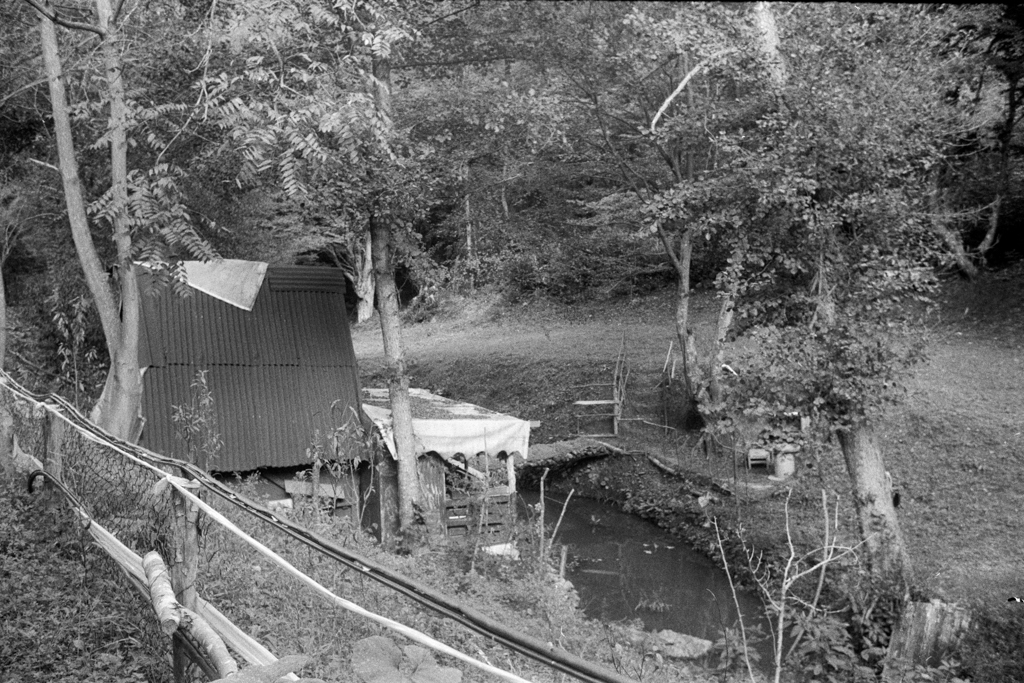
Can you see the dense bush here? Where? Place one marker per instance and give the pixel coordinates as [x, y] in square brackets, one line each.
[571, 270]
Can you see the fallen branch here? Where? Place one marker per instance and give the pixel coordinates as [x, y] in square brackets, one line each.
[558, 524]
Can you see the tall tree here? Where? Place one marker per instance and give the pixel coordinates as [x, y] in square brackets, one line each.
[655, 80]
[118, 406]
[806, 171]
[136, 206]
[390, 322]
[311, 103]
[844, 167]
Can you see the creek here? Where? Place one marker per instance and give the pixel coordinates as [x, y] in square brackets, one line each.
[625, 568]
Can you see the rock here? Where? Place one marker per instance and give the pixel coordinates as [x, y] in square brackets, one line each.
[682, 646]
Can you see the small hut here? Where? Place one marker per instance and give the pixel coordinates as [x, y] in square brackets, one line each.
[275, 346]
[466, 458]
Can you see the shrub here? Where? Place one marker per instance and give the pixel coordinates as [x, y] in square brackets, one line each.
[569, 270]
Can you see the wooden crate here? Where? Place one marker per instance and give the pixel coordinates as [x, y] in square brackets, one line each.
[462, 515]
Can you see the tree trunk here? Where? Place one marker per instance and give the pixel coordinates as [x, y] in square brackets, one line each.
[954, 242]
[398, 377]
[504, 197]
[469, 211]
[3, 318]
[118, 407]
[872, 495]
[95, 277]
[365, 286]
[725, 316]
[993, 227]
[691, 371]
[391, 330]
[768, 44]
[117, 410]
[956, 246]
[1003, 182]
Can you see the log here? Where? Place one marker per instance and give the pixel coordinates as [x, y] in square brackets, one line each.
[167, 609]
[211, 646]
[927, 631]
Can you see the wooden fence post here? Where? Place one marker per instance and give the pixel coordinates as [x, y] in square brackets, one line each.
[53, 432]
[183, 563]
[6, 439]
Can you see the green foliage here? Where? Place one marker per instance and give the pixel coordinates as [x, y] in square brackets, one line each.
[340, 452]
[826, 651]
[378, 660]
[195, 424]
[573, 269]
[162, 227]
[845, 373]
[73, 320]
[728, 654]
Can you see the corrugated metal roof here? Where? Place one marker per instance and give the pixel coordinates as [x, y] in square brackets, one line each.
[274, 372]
[306, 279]
[266, 415]
[287, 326]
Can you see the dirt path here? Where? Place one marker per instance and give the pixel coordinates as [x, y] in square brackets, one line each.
[591, 332]
[955, 448]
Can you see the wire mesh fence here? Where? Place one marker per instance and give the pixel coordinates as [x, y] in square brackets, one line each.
[100, 485]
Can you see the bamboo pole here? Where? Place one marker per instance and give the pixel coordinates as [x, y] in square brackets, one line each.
[212, 647]
[161, 594]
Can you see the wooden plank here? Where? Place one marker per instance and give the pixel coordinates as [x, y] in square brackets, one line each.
[328, 488]
[611, 402]
[161, 594]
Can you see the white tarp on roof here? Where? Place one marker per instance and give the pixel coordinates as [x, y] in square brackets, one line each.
[449, 427]
[231, 280]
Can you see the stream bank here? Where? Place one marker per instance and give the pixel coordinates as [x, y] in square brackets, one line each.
[683, 505]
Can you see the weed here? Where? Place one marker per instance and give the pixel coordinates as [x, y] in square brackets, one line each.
[71, 318]
[195, 424]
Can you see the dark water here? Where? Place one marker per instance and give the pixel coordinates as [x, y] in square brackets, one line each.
[624, 567]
